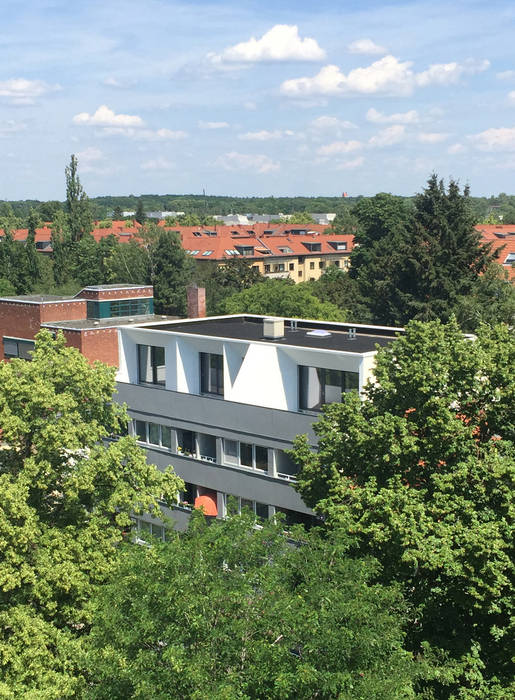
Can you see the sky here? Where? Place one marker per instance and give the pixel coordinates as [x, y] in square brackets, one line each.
[260, 98]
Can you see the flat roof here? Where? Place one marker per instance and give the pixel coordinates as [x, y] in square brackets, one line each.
[251, 328]
[124, 285]
[96, 324]
[37, 298]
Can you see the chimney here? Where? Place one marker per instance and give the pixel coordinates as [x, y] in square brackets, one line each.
[273, 328]
[196, 301]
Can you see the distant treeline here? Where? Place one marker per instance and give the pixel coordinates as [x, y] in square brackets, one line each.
[485, 208]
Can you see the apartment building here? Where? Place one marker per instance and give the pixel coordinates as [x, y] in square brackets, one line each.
[222, 399]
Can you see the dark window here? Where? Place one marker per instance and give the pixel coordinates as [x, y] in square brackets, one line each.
[267, 268]
[141, 430]
[186, 442]
[337, 263]
[151, 365]
[166, 437]
[261, 458]
[318, 386]
[311, 265]
[14, 347]
[211, 373]
[299, 273]
[321, 264]
[292, 266]
[154, 433]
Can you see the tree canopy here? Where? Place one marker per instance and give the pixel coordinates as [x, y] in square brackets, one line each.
[228, 610]
[66, 501]
[421, 473]
[282, 298]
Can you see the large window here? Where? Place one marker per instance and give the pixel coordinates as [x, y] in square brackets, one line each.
[151, 365]
[244, 454]
[211, 373]
[119, 307]
[237, 504]
[16, 347]
[318, 386]
[153, 433]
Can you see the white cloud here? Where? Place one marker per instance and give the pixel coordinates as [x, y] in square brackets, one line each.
[389, 136]
[242, 161]
[265, 135]
[106, 117]
[450, 73]
[145, 134]
[111, 81]
[212, 125]
[365, 46]
[338, 147]
[511, 96]
[432, 137]
[388, 75]
[23, 91]
[9, 127]
[281, 43]
[502, 139]
[376, 117]
[351, 164]
[325, 123]
[158, 163]
[456, 148]
[250, 105]
[506, 75]
[90, 155]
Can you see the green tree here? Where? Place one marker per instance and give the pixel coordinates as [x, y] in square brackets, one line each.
[32, 255]
[6, 288]
[77, 203]
[339, 288]
[128, 263]
[66, 501]
[421, 473]
[117, 214]
[48, 210]
[140, 215]
[171, 270]
[62, 249]
[281, 298]
[491, 300]
[222, 281]
[230, 611]
[302, 218]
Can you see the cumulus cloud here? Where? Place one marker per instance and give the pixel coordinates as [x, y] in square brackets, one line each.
[350, 164]
[511, 96]
[23, 91]
[376, 117]
[9, 127]
[388, 75]
[106, 117]
[502, 139]
[506, 75]
[339, 147]
[389, 136]
[212, 125]
[281, 43]
[243, 161]
[365, 46]
[456, 148]
[434, 137]
[265, 135]
[158, 163]
[145, 134]
[325, 123]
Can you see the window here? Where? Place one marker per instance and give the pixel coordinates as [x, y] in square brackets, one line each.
[206, 447]
[143, 530]
[293, 517]
[311, 265]
[279, 267]
[207, 252]
[151, 365]
[153, 433]
[245, 454]
[292, 266]
[17, 347]
[188, 495]
[211, 373]
[299, 273]
[321, 264]
[236, 504]
[186, 443]
[267, 268]
[337, 263]
[286, 467]
[318, 386]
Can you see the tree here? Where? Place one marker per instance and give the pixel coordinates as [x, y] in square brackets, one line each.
[171, 271]
[66, 501]
[421, 472]
[128, 263]
[230, 611]
[62, 249]
[140, 215]
[281, 298]
[77, 203]
[222, 281]
[301, 217]
[339, 288]
[417, 263]
[491, 300]
[6, 288]
[117, 214]
[30, 247]
[48, 210]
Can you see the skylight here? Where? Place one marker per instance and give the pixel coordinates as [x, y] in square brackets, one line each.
[207, 252]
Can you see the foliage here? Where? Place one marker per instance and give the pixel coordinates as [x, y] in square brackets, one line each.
[128, 263]
[80, 220]
[140, 215]
[339, 288]
[15, 263]
[6, 288]
[33, 258]
[171, 271]
[282, 298]
[417, 263]
[421, 472]
[222, 281]
[300, 217]
[230, 611]
[491, 300]
[66, 501]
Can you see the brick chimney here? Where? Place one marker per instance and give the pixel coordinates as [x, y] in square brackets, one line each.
[196, 301]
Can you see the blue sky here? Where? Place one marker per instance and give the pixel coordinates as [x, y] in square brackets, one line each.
[256, 98]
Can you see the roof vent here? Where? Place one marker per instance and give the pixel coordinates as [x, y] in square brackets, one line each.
[352, 334]
[273, 328]
[96, 323]
[319, 333]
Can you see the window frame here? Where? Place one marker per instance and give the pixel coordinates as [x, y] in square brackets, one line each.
[207, 387]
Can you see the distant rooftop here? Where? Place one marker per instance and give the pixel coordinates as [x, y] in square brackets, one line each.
[100, 287]
[36, 298]
[339, 336]
[92, 324]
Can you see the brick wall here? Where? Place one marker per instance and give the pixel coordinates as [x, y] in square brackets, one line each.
[105, 294]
